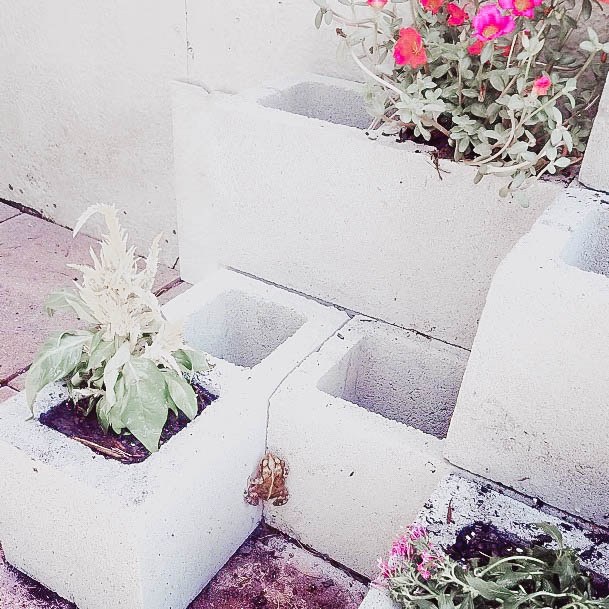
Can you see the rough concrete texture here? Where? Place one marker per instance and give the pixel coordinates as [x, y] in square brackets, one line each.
[18, 591]
[33, 258]
[356, 476]
[305, 210]
[473, 500]
[593, 172]
[269, 571]
[6, 392]
[378, 599]
[532, 411]
[127, 514]
[6, 212]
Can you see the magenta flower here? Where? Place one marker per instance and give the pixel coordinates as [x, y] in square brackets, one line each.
[378, 4]
[541, 85]
[521, 8]
[489, 23]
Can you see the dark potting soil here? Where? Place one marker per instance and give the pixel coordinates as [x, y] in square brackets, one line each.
[481, 540]
[69, 418]
[443, 150]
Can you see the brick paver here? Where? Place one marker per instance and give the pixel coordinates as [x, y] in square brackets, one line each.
[6, 212]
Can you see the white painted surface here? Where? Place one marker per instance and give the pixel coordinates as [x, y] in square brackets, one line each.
[85, 109]
[532, 412]
[377, 599]
[157, 531]
[236, 45]
[593, 173]
[357, 477]
[319, 208]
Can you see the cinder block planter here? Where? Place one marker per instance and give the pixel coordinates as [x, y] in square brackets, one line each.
[360, 425]
[288, 172]
[473, 502]
[461, 508]
[149, 536]
[533, 412]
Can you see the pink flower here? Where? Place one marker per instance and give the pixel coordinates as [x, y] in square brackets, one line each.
[541, 85]
[386, 570]
[457, 15]
[409, 49]
[423, 571]
[378, 4]
[433, 6]
[521, 8]
[489, 23]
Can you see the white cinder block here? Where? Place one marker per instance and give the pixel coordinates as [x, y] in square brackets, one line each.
[150, 536]
[594, 166]
[533, 412]
[349, 423]
[287, 173]
[473, 502]
[378, 599]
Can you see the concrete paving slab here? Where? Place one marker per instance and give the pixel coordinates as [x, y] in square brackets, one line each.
[33, 258]
[6, 393]
[6, 212]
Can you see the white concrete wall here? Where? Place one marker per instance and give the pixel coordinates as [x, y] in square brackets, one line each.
[84, 108]
[85, 115]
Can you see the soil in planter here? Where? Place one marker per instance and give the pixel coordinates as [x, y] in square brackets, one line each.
[443, 150]
[69, 419]
[481, 540]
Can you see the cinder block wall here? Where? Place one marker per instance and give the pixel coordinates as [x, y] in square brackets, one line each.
[85, 112]
[85, 115]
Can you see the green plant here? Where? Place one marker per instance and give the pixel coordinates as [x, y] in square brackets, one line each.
[419, 576]
[130, 364]
[499, 80]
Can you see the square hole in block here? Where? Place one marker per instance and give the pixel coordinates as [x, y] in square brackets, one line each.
[241, 328]
[588, 248]
[407, 380]
[325, 102]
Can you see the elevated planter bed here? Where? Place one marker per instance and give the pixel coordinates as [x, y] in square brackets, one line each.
[533, 412]
[467, 516]
[150, 535]
[288, 172]
[360, 424]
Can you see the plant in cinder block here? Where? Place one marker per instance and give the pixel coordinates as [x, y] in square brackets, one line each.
[130, 365]
[422, 576]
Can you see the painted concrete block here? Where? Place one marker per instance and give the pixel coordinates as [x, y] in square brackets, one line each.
[360, 424]
[288, 173]
[150, 536]
[593, 173]
[473, 501]
[378, 599]
[533, 412]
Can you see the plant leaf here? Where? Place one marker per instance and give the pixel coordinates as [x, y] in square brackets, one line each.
[181, 393]
[57, 359]
[145, 406]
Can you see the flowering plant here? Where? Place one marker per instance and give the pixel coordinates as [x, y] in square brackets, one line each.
[501, 80]
[131, 365]
[420, 576]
